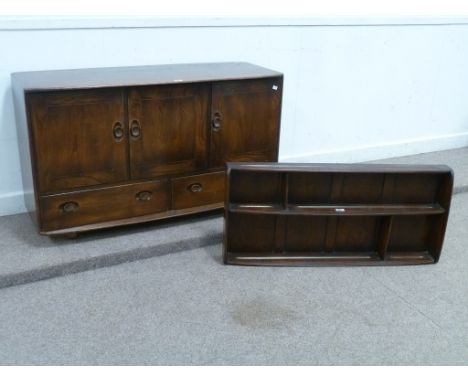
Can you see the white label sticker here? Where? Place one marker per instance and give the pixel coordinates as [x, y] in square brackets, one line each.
[339, 209]
[275, 87]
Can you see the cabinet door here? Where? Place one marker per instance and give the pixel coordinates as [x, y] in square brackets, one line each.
[245, 121]
[79, 138]
[168, 126]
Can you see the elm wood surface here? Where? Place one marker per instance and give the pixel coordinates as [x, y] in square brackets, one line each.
[139, 75]
[197, 190]
[73, 231]
[244, 121]
[104, 204]
[73, 133]
[319, 214]
[92, 139]
[336, 210]
[168, 129]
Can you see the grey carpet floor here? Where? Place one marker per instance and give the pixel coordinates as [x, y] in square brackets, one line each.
[26, 256]
[186, 308]
[457, 159]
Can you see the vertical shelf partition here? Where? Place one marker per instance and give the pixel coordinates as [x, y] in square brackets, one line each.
[305, 214]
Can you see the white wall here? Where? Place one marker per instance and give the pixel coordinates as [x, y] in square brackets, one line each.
[352, 92]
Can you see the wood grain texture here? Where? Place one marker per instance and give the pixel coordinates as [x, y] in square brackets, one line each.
[245, 121]
[149, 217]
[362, 214]
[173, 121]
[90, 137]
[197, 190]
[344, 209]
[73, 135]
[104, 204]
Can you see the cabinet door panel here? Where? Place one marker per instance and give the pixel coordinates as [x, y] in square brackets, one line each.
[74, 138]
[168, 126]
[245, 121]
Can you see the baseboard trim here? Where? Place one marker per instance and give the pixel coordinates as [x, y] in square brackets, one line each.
[110, 22]
[382, 151]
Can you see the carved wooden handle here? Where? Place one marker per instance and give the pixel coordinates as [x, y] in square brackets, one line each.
[118, 131]
[144, 196]
[216, 121]
[135, 129]
[69, 207]
[195, 187]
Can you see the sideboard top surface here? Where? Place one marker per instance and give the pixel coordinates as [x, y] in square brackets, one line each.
[138, 75]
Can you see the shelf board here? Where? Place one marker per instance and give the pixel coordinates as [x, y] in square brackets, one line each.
[405, 257]
[339, 209]
[274, 209]
[303, 258]
[329, 258]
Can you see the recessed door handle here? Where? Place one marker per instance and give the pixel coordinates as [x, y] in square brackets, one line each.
[216, 121]
[135, 129]
[118, 131]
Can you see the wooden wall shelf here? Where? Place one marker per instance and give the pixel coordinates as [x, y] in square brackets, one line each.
[335, 214]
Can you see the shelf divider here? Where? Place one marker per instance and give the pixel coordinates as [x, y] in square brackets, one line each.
[384, 236]
[285, 190]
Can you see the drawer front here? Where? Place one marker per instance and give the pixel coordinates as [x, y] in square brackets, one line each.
[94, 206]
[198, 190]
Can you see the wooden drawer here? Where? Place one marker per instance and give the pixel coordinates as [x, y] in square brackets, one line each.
[198, 190]
[99, 205]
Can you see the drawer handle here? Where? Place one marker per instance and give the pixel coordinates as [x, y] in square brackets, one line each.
[69, 207]
[195, 187]
[144, 196]
[118, 131]
[135, 129]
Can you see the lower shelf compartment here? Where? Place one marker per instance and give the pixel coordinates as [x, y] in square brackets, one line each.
[328, 258]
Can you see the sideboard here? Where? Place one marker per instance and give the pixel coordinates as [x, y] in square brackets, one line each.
[112, 146]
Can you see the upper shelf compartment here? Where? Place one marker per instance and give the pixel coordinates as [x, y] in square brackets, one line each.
[358, 190]
[361, 188]
[258, 188]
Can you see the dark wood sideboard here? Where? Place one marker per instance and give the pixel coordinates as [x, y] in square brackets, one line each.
[112, 146]
[316, 214]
